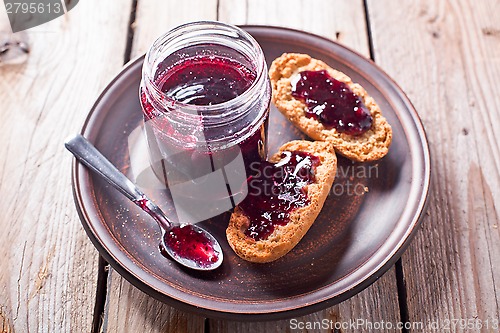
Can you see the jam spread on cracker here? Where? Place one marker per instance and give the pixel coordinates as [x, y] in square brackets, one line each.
[331, 102]
[275, 190]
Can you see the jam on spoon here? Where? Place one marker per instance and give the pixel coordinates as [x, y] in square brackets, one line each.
[187, 244]
[331, 102]
[184, 241]
[190, 243]
[275, 190]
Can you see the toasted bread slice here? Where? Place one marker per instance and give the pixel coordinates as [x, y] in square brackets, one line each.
[285, 237]
[369, 146]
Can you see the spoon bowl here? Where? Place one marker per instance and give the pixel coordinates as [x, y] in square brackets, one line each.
[202, 250]
[188, 244]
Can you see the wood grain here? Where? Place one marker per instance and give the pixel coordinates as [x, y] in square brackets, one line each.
[48, 266]
[445, 55]
[375, 304]
[154, 18]
[130, 310]
[343, 21]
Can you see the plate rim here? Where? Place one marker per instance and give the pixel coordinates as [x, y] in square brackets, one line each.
[388, 260]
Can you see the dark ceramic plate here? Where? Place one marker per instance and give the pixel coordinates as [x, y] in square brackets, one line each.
[356, 238]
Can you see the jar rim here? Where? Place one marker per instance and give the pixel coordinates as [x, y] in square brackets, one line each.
[207, 111]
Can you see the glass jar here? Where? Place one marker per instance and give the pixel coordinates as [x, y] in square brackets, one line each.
[205, 95]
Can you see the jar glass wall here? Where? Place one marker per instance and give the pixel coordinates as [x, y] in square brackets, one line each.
[205, 97]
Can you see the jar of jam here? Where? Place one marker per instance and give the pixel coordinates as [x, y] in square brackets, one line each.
[205, 96]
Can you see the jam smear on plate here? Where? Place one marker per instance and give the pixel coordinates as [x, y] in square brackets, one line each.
[331, 102]
[275, 190]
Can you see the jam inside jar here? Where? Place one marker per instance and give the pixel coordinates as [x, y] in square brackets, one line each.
[205, 98]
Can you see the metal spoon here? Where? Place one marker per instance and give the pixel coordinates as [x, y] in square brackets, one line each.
[88, 155]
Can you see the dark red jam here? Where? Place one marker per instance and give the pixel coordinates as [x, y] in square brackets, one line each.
[204, 80]
[275, 190]
[191, 244]
[332, 103]
[184, 240]
[201, 80]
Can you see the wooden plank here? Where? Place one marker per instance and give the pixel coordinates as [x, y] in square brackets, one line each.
[128, 309]
[375, 304]
[445, 55]
[345, 22]
[48, 266]
[154, 18]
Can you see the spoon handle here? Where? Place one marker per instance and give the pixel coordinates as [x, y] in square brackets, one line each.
[88, 155]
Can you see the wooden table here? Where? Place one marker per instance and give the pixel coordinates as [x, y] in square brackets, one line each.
[444, 54]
